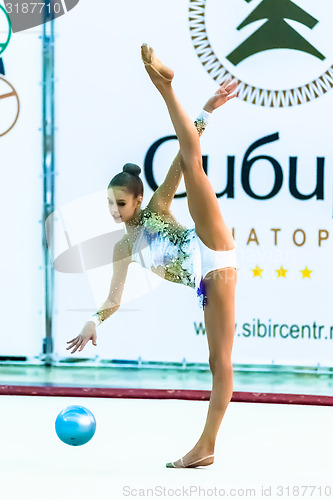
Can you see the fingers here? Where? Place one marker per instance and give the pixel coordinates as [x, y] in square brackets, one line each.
[230, 96]
[76, 343]
[73, 340]
[75, 349]
[228, 86]
[232, 87]
[225, 92]
[225, 83]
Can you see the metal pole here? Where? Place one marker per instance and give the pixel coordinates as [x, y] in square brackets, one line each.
[48, 177]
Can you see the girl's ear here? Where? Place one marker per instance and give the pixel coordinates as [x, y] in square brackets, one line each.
[139, 200]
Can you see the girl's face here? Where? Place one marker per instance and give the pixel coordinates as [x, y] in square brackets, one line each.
[123, 205]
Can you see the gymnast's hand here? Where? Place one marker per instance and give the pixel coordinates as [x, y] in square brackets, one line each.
[222, 95]
[88, 332]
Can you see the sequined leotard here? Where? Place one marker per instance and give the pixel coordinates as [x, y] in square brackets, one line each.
[169, 250]
[174, 252]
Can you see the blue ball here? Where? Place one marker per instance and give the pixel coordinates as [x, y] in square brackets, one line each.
[75, 425]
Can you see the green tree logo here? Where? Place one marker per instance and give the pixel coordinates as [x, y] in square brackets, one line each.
[275, 33]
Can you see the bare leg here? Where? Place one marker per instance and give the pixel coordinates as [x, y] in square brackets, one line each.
[210, 226]
[220, 329]
[202, 201]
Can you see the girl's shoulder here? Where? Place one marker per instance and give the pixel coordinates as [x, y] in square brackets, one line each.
[159, 220]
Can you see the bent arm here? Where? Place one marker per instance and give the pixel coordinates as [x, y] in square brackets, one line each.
[164, 194]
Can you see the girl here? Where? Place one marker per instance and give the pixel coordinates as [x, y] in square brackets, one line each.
[158, 242]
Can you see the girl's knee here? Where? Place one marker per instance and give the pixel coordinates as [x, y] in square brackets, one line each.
[220, 364]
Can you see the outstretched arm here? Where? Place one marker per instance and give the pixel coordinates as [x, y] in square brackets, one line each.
[121, 261]
[164, 194]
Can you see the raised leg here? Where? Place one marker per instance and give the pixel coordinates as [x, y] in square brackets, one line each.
[202, 201]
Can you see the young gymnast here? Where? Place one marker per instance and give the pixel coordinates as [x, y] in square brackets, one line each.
[156, 240]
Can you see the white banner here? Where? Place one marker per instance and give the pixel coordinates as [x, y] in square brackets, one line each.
[268, 155]
[21, 193]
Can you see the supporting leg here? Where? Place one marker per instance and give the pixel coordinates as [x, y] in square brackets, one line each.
[220, 329]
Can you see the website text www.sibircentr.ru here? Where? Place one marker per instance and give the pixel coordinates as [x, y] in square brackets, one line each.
[188, 491]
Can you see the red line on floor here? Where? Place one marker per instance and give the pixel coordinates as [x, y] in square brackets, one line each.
[199, 395]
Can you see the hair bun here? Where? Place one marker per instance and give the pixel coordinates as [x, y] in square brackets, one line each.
[131, 168]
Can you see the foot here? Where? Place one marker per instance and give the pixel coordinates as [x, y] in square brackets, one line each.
[195, 458]
[156, 70]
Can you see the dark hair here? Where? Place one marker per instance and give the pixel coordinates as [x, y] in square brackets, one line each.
[130, 179]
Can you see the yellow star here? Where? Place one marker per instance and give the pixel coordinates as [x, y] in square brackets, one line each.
[306, 273]
[257, 271]
[281, 272]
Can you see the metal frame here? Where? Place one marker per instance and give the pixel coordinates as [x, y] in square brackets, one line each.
[97, 362]
[48, 130]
